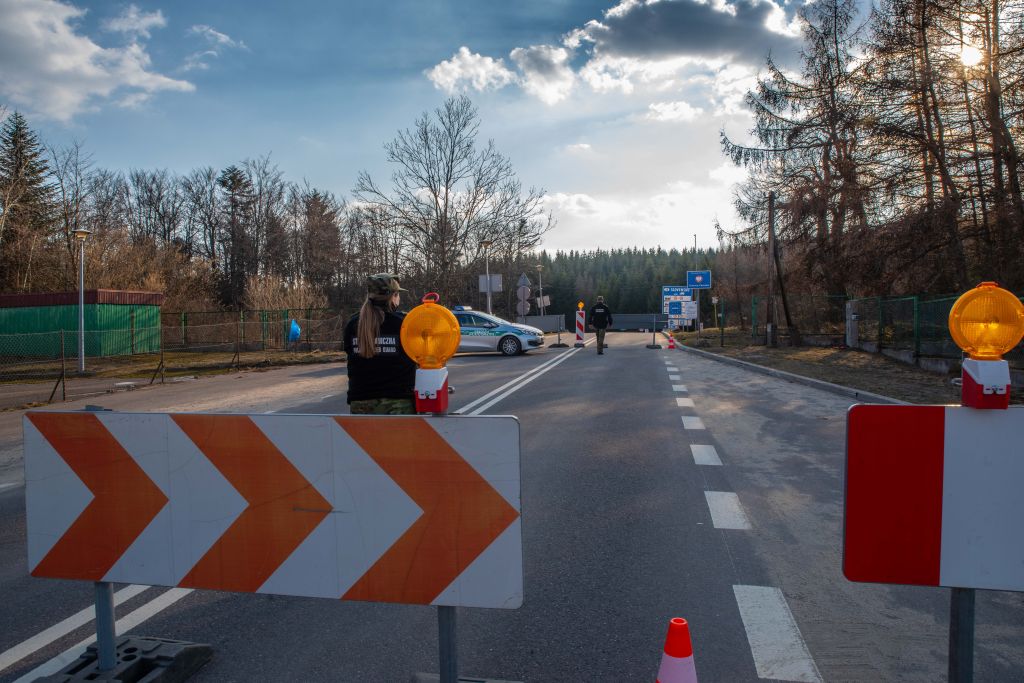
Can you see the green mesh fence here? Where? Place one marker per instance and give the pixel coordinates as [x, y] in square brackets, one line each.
[913, 324]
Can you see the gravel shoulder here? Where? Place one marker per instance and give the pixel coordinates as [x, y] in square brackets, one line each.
[857, 369]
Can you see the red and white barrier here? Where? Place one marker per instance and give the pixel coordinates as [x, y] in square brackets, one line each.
[933, 496]
[677, 661]
[581, 319]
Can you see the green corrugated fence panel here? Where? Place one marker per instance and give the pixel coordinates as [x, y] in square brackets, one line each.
[108, 330]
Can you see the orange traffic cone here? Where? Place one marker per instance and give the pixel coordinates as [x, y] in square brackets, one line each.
[671, 341]
[677, 662]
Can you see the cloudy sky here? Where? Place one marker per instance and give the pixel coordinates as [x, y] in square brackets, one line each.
[613, 108]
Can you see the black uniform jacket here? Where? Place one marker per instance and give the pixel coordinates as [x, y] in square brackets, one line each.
[600, 316]
[390, 373]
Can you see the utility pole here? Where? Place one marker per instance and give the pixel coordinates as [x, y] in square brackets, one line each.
[794, 334]
[771, 336]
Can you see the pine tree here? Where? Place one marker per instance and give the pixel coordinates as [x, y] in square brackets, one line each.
[25, 201]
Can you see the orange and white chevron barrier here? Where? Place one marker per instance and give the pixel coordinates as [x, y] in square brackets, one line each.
[250, 503]
[671, 341]
[677, 662]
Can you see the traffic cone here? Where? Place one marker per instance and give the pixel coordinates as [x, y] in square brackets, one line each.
[677, 661]
[671, 341]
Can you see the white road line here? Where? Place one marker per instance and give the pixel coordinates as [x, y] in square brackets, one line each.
[539, 368]
[684, 402]
[705, 455]
[672, 368]
[7, 486]
[565, 356]
[123, 625]
[726, 511]
[674, 378]
[61, 629]
[692, 422]
[324, 398]
[678, 387]
[775, 641]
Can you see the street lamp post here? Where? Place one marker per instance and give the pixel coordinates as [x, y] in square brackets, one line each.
[540, 280]
[81, 235]
[487, 269]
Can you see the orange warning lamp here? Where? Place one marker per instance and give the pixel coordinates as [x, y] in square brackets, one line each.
[986, 322]
[430, 334]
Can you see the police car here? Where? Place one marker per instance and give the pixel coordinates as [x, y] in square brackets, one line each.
[483, 332]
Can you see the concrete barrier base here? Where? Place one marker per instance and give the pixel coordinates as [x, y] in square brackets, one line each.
[139, 660]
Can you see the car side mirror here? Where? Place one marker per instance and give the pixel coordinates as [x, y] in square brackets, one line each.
[491, 326]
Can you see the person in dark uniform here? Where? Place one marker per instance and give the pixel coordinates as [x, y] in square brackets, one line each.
[600, 318]
[381, 377]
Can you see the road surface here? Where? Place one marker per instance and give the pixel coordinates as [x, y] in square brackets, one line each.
[655, 484]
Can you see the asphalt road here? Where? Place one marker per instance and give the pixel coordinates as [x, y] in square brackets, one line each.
[622, 529]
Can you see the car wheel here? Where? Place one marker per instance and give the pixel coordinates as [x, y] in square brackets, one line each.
[509, 346]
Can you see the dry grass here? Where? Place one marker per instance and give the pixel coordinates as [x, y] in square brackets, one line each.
[853, 368]
[183, 363]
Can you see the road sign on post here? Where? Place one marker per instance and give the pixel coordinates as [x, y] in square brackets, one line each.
[190, 500]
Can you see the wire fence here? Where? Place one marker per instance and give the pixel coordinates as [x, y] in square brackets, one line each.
[48, 366]
[917, 326]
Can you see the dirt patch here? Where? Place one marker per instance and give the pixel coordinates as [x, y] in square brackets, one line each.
[852, 368]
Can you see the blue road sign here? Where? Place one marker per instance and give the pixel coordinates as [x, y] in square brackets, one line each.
[675, 307]
[698, 279]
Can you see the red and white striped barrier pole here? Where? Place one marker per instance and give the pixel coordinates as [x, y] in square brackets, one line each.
[677, 662]
[581, 318]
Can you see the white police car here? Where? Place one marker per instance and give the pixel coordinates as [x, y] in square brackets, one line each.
[483, 332]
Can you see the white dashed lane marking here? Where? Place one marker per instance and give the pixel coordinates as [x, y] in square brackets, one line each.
[775, 641]
[692, 422]
[684, 402]
[672, 368]
[705, 455]
[726, 511]
[678, 387]
[674, 378]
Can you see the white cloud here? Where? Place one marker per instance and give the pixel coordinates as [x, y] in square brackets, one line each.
[135, 22]
[195, 61]
[546, 72]
[215, 37]
[466, 69]
[679, 111]
[580, 149]
[216, 43]
[679, 209]
[52, 70]
[728, 174]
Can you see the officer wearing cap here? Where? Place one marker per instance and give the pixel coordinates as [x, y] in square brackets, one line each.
[381, 377]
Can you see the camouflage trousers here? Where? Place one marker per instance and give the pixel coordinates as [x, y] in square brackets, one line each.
[600, 339]
[382, 406]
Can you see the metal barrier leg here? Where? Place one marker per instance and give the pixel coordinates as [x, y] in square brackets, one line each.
[961, 635]
[105, 637]
[447, 643]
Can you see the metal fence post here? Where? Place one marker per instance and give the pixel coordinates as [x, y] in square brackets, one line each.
[184, 330]
[881, 322]
[917, 327]
[753, 316]
[131, 330]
